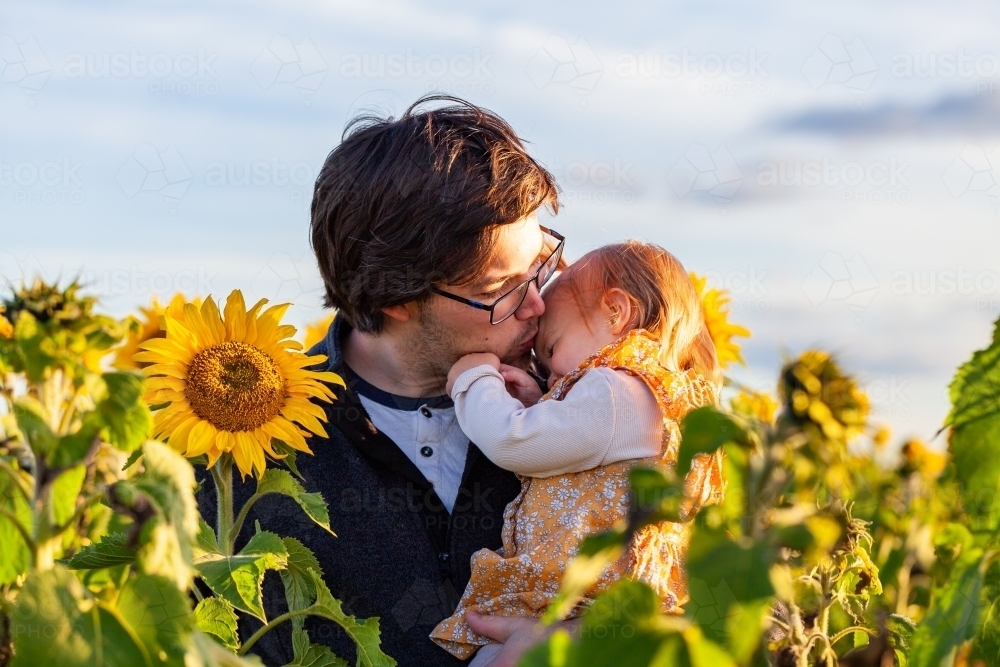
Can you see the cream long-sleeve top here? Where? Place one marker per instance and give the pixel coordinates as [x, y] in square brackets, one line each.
[609, 416]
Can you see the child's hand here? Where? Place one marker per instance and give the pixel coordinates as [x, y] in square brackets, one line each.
[470, 361]
[520, 385]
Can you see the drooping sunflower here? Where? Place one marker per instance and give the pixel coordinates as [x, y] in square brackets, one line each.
[149, 326]
[715, 303]
[233, 383]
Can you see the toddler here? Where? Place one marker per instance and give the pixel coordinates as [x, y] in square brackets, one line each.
[624, 341]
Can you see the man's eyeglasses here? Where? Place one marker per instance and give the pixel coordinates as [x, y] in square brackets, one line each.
[510, 301]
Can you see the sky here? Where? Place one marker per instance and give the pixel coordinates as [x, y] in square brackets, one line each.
[834, 165]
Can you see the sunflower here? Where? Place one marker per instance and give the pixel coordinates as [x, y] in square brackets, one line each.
[232, 384]
[6, 328]
[918, 456]
[316, 331]
[715, 303]
[148, 327]
[755, 404]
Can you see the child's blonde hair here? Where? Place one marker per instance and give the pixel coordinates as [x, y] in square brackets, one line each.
[663, 298]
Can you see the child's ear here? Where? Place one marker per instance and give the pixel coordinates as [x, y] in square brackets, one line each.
[618, 310]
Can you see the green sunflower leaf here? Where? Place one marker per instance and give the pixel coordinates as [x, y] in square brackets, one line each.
[111, 551]
[238, 578]
[215, 616]
[280, 481]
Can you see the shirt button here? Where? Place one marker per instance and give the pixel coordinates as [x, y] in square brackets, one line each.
[426, 451]
[426, 412]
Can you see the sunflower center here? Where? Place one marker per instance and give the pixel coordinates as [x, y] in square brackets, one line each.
[235, 387]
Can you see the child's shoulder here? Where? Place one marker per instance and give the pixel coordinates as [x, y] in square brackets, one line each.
[677, 392]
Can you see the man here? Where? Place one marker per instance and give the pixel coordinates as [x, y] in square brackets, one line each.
[425, 231]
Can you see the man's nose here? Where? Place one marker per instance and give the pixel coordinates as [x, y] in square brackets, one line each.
[532, 306]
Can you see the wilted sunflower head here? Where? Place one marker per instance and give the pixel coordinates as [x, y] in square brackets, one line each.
[820, 399]
[75, 337]
[232, 384]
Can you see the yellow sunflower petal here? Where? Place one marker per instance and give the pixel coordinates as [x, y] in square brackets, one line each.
[201, 439]
[213, 320]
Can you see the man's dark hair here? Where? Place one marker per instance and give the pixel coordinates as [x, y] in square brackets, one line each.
[404, 203]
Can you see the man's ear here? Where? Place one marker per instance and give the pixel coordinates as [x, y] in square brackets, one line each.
[400, 313]
[618, 310]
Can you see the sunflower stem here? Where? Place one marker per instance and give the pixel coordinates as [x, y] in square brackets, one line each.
[222, 472]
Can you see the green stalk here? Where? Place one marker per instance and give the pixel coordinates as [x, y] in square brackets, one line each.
[270, 626]
[222, 473]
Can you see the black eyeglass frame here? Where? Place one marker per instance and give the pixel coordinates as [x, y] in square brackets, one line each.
[556, 252]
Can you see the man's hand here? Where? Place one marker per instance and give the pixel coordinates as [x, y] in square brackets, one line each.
[517, 634]
[520, 385]
[470, 361]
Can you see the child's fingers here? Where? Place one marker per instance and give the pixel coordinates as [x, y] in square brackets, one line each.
[515, 375]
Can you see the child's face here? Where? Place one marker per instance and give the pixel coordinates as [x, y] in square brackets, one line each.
[566, 334]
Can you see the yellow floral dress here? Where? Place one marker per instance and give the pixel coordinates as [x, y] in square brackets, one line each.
[544, 524]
